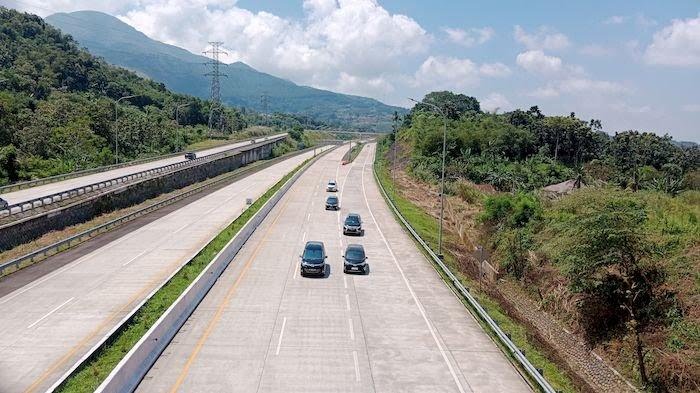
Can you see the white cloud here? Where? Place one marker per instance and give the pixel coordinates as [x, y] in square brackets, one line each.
[471, 37]
[349, 46]
[450, 73]
[494, 70]
[536, 61]
[543, 39]
[677, 44]
[640, 20]
[496, 102]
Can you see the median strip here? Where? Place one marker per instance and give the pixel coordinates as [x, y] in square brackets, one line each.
[95, 369]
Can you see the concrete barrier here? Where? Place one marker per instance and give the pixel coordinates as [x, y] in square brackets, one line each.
[133, 367]
[28, 229]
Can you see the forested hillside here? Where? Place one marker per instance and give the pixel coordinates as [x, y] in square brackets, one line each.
[614, 253]
[57, 106]
[184, 72]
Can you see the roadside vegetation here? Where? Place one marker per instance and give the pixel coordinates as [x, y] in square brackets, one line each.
[58, 103]
[613, 253]
[88, 377]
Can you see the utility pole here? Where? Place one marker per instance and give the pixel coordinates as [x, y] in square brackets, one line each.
[442, 178]
[264, 101]
[116, 128]
[216, 111]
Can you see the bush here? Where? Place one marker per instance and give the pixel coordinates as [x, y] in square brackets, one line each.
[511, 211]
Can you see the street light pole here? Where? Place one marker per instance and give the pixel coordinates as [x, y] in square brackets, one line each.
[442, 178]
[116, 129]
[177, 113]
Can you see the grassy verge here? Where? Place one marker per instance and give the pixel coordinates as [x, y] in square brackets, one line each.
[427, 227]
[353, 153]
[88, 377]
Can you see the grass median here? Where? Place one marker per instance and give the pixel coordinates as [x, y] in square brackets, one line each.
[427, 228]
[89, 376]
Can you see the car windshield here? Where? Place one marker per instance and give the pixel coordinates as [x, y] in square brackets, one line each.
[355, 254]
[332, 199]
[313, 254]
[331, 183]
[352, 220]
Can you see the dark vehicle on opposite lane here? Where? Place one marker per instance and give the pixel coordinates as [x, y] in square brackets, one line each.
[355, 259]
[332, 203]
[190, 155]
[313, 260]
[353, 225]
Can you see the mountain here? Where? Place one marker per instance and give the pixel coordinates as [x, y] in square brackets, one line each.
[182, 71]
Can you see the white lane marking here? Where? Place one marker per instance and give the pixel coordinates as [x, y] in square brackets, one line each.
[357, 366]
[347, 301]
[279, 342]
[408, 285]
[352, 331]
[80, 260]
[303, 237]
[345, 282]
[134, 258]
[50, 312]
[308, 217]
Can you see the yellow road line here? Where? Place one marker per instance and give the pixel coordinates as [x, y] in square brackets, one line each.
[224, 303]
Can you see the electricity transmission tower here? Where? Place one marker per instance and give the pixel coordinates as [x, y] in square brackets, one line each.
[216, 118]
[264, 101]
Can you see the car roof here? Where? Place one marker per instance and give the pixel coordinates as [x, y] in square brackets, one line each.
[332, 197]
[331, 181]
[314, 244]
[353, 215]
[355, 247]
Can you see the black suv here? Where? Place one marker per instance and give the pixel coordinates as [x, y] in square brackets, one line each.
[3, 204]
[353, 225]
[190, 155]
[355, 259]
[313, 260]
[332, 203]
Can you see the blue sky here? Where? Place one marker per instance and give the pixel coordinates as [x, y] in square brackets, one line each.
[631, 64]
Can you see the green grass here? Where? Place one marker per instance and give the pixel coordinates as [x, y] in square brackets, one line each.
[88, 377]
[427, 228]
[355, 151]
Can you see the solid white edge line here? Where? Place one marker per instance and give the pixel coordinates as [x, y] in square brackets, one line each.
[50, 312]
[408, 285]
[279, 342]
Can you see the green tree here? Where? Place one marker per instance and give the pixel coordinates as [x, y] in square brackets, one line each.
[607, 256]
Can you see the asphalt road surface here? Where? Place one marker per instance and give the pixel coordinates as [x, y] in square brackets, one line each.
[52, 188]
[47, 325]
[264, 328]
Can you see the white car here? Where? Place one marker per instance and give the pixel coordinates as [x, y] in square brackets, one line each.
[332, 186]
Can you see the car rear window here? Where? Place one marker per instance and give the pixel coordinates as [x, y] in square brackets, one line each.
[332, 199]
[355, 254]
[313, 253]
[352, 220]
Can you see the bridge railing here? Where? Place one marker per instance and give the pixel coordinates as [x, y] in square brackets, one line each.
[25, 206]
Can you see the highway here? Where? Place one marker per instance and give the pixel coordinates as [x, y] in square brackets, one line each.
[264, 328]
[47, 325]
[52, 188]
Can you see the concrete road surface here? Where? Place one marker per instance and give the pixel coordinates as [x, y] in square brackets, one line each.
[52, 188]
[48, 324]
[264, 328]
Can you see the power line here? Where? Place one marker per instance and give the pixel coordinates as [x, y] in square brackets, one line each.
[216, 118]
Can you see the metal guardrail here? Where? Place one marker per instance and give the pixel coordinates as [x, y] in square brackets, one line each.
[47, 251]
[126, 376]
[525, 364]
[31, 204]
[71, 175]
